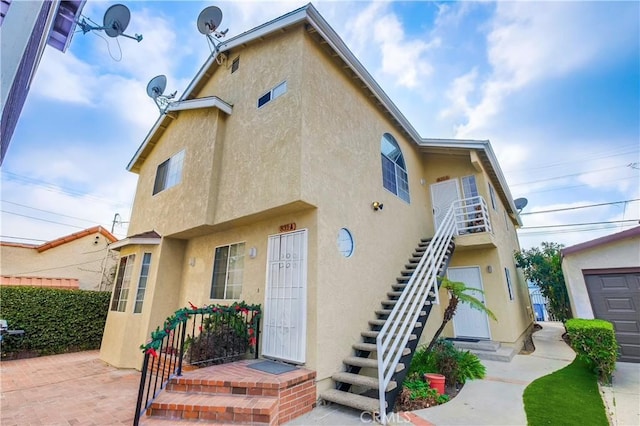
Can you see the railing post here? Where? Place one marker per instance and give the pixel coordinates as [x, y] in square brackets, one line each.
[183, 328]
[143, 379]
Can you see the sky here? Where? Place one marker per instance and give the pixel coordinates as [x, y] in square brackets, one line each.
[555, 87]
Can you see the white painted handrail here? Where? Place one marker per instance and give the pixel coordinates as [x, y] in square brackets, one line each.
[472, 215]
[396, 331]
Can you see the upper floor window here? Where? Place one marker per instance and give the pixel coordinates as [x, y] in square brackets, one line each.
[272, 94]
[169, 173]
[492, 195]
[507, 274]
[142, 283]
[228, 268]
[123, 281]
[394, 170]
[469, 187]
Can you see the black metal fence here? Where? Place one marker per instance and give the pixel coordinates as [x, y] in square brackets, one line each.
[214, 334]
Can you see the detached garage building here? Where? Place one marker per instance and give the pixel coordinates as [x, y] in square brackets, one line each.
[603, 280]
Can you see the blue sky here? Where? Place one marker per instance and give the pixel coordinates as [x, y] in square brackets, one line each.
[555, 86]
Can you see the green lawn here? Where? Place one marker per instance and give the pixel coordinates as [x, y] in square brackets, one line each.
[566, 397]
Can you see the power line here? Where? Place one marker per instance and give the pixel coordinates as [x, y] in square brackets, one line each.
[557, 188]
[51, 212]
[580, 224]
[570, 175]
[569, 231]
[580, 207]
[43, 220]
[57, 267]
[22, 238]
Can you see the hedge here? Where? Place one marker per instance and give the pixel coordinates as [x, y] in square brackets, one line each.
[55, 321]
[594, 341]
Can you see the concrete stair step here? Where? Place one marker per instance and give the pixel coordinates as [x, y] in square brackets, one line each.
[394, 293]
[367, 362]
[360, 380]
[380, 323]
[352, 400]
[503, 354]
[214, 407]
[482, 345]
[372, 334]
[371, 347]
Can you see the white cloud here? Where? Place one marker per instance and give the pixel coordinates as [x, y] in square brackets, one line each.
[64, 77]
[529, 42]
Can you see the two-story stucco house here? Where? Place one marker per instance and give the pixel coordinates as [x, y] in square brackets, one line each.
[285, 176]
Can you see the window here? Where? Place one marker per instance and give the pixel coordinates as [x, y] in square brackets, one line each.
[492, 195]
[123, 280]
[272, 94]
[394, 171]
[235, 64]
[228, 267]
[469, 187]
[142, 283]
[169, 173]
[345, 242]
[509, 286]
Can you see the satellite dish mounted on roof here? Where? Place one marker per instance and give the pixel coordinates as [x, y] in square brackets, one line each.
[208, 23]
[115, 22]
[155, 90]
[520, 203]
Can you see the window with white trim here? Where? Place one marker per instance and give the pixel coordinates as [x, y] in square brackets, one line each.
[228, 268]
[272, 94]
[142, 283]
[394, 170]
[509, 285]
[169, 173]
[123, 281]
[492, 195]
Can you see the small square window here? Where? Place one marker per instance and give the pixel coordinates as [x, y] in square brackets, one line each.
[235, 64]
[264, 99]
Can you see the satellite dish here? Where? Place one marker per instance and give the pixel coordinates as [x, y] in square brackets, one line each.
[209, 20]
[155, 90]
[116, 20]
[157, 86]
[520, 203]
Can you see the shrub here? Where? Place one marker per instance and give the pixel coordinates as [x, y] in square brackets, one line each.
[595, 343]
[456, 365]
[55, 321]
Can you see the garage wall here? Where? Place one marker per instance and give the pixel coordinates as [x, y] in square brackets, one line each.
[616, 254]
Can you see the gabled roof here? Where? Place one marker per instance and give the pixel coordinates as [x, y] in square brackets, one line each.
[66, 239]
[324, 34]
[144, 238]
[607, 239]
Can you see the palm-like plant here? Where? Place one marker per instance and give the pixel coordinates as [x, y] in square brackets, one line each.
[458, 293]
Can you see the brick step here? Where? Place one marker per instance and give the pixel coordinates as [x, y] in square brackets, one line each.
[213, 407]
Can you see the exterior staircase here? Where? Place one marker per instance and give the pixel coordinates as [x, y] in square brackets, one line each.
[359, 385]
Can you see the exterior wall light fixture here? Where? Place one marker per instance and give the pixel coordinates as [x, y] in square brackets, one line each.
[376, 205]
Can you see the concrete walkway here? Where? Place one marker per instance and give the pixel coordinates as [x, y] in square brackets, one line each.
[79, 389]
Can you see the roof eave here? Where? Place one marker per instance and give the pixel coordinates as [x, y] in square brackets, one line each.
[134, 242]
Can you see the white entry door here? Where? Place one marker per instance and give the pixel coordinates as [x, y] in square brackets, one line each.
[443, 194]
[285, 303]
[469, 322]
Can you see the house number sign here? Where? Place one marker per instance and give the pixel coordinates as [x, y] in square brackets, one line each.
[288, 227]
[443, 178]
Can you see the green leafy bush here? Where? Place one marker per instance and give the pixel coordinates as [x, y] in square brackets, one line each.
[456, 365]
[595, 343]
[55, 321]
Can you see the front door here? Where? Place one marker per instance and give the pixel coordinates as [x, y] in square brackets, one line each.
[469, 322]
[285, 304]
[443, 194]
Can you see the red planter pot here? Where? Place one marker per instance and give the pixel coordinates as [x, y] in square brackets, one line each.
[436, 381]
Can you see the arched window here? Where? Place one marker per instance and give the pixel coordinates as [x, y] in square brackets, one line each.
[394, 171]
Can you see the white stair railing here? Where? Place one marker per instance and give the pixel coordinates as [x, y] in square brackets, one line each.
[396, 331]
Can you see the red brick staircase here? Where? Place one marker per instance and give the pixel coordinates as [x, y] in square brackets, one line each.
[234, 394]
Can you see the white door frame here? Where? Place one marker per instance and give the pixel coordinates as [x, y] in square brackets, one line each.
[285, 304]
[440, 211]
[469, 322]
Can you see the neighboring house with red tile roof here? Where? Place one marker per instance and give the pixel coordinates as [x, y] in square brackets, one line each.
[79, 260]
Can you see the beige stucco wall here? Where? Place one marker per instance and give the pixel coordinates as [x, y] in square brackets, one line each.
[618, 254]
[85, 259]
[311, 156]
